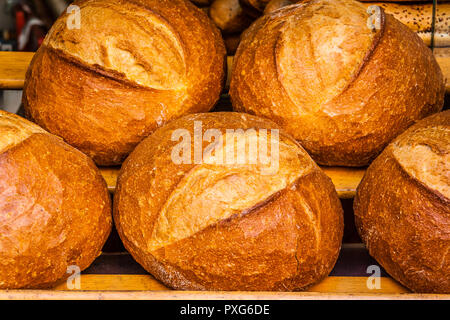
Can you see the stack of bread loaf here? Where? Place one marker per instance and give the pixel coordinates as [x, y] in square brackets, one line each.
[234, 16]
[200, 203]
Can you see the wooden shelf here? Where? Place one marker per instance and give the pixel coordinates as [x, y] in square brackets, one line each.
[139, 285]
[346, 180]
[146, 287]
[354, 285]
[117, 276]
[187, 295]
[13, 66]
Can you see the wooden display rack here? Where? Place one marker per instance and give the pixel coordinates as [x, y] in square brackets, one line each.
[132, 282]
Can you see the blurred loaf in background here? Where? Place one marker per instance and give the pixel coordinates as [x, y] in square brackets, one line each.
[417, 15]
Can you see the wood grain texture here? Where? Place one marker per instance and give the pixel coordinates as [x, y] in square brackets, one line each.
[13, 66]
[345, 180]
[178, 295]
[91, 282]
[145, 287]
[110, 175]
[444, 63]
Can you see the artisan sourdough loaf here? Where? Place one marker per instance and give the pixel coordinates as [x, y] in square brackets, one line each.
[55, 210]
[343, 90]
[402, 206]
[130, 67]
[212, 225]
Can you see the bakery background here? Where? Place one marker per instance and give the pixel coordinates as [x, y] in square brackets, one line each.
[25, 23]
[23, 26]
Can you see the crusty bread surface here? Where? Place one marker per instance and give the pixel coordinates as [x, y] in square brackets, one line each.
[131, 67]
[228, 226]
[334, 84]
[402, 206]
[55, 210]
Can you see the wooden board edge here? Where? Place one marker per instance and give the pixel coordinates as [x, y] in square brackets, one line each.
[13, 66]
[168, 295]
[146, 282]
[345, 288]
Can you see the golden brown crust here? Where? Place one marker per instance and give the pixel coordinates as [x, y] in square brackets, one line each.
[105, 89]
[344, 112]
[55, 211]
[402, 210]
[232, 235]
[260, 240]
[14, 130]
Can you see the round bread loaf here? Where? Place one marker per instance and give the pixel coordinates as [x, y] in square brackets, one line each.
[402, 206]
[131, 66]
[213, 222]
[343, 90]
[55, 210]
